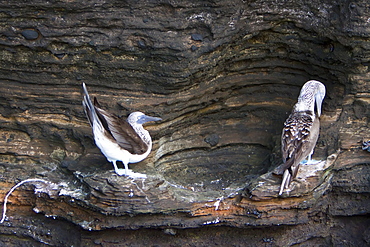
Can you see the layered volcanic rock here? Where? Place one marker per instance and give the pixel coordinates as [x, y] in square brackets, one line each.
[223, 77]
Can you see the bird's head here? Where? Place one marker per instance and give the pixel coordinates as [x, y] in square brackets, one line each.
[140, 118]
[312, 93]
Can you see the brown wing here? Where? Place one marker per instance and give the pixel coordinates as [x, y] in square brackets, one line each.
[121, 131]
[296, 141]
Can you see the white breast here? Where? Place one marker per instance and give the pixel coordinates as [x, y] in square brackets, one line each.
[113, 151]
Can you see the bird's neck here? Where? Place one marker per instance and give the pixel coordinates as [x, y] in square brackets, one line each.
[305, 106]
[143, 133]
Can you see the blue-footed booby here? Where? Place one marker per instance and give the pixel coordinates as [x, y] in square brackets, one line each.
[301, 130]
[117, 139]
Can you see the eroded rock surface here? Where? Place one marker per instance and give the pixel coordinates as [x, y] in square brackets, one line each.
[223, 77]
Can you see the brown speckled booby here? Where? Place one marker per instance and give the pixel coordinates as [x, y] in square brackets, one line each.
[301, 130]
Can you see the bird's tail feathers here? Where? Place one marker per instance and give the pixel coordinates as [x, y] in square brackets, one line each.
[89, 107]
[288, 176]
[285, 182]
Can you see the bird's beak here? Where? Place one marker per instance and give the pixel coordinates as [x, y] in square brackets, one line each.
[319, 98]
[144, 118]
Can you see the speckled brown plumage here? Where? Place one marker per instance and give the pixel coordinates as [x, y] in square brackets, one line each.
[301, 130]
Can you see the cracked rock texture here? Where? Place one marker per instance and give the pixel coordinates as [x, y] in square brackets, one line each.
[223, 76]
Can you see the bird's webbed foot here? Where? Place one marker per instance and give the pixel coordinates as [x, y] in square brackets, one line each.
[129, 173]
[121, 172]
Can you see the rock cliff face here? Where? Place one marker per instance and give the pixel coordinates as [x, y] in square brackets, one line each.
[223, 76]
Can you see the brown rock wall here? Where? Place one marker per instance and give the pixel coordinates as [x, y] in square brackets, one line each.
[223, 77]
